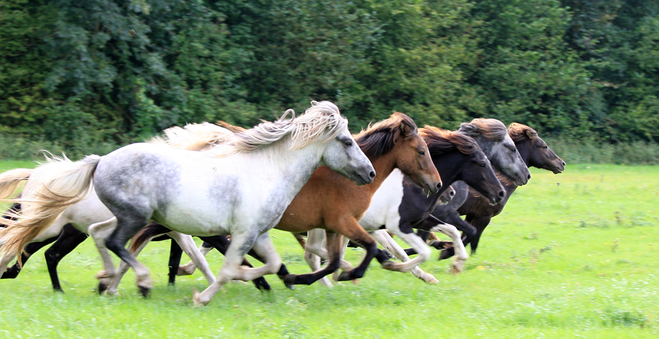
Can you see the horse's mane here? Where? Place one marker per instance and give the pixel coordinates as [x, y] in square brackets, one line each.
[194, 137]
[491, 129]
[520, 132]
[381, 137]
[321, 122]
[441, 141]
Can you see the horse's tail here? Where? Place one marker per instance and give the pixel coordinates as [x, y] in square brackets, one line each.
[9, 180]
[61, 183]
[149, 231]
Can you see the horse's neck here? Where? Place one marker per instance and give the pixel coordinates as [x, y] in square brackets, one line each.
[448, 165]
[523, 147]
[295, 167]
[383, 166]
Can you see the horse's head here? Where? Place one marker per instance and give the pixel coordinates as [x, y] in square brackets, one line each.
[492, 136]
[397, 138]
[341, 153]
[447, 195]
[534, 150]
[468, 161]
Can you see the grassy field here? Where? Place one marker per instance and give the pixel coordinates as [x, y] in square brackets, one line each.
[572, 255]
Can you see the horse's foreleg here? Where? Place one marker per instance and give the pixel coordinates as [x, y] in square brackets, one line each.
[461, 255]
[392, 246]
[100, 232]
[480, 222]
[357, 234]
[67, 241]
[407, 234]
[334, 245]
[188, 245]
[316, 245]
[315, 240]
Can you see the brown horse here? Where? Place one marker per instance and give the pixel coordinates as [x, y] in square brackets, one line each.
[534, 152]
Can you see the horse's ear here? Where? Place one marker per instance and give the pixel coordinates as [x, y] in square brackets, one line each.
[531, 133]
[469, 129]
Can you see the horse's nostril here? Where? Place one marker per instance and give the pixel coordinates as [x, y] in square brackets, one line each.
[528, 177]
[439, 185]
[563, 163]
[371, 174]
[452, 194]
[502, 194]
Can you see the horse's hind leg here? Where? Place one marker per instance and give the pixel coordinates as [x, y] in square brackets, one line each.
[205, 248]
[30, 249]
[188, 245]
[99, 232]
[175, 253]
[221, 242]
[67, 241]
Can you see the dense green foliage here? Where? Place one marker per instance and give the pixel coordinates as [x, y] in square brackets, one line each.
[572, 255]
[86, 76]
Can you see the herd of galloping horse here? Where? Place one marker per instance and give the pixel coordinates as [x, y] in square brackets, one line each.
[307, 174]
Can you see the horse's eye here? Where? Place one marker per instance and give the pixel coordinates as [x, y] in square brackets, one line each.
[422, 153]
[544, 147]
[482, 164]
[348, 143]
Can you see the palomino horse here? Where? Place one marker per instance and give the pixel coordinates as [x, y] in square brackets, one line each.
[534, 152]
[241, 188]
[329, 201]
[73, 225]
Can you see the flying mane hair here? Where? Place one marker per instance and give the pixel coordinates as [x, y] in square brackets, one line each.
[491, 129]
[381, 137]
[321, 122]
[441, 141]
[520, 132]
[194, 137]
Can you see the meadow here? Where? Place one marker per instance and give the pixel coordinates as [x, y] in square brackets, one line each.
[572, 255]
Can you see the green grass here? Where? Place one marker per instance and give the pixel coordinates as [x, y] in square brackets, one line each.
[572, 255]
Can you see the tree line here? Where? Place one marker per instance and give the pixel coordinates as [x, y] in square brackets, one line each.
[108, 72]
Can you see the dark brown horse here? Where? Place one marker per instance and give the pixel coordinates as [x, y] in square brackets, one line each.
[534, 152]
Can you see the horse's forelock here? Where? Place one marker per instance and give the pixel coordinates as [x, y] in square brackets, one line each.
[381, 137]
[491, 129]
[520, 132]
[441, 141]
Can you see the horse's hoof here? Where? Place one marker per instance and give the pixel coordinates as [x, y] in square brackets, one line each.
[261, 284]
[345, 276]
[196, 299]
[102, 287]
[388, 265]
[289, 281]
[144, 291]
[445, 254]
[432, 280]
[388, 254]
